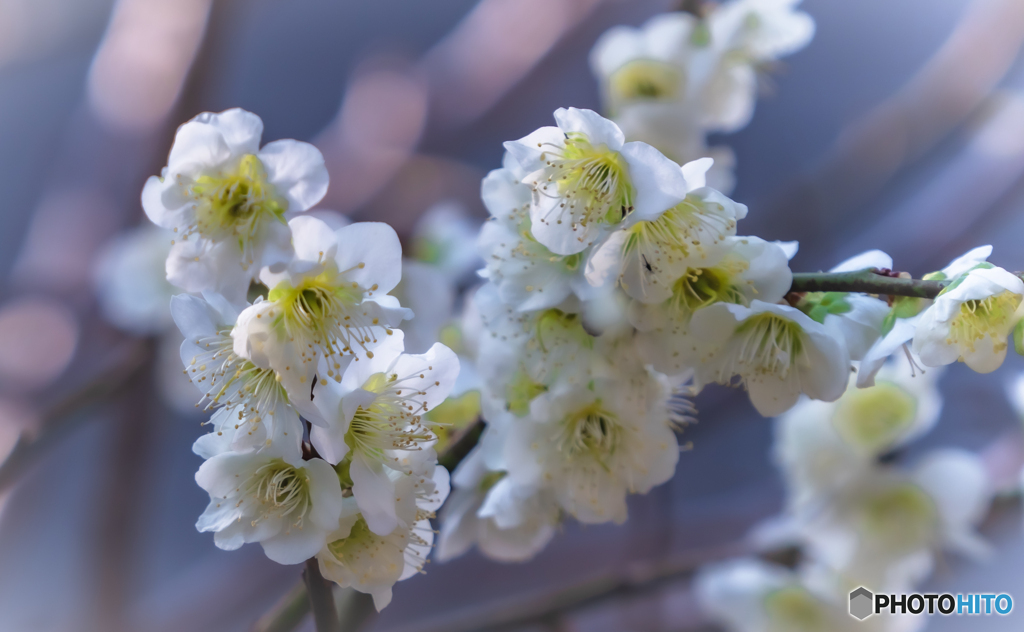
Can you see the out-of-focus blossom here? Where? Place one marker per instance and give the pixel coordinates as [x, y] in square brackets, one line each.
[228, 201]
[131, 282]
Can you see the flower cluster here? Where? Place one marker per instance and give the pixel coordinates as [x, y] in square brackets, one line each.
[320, 443]
[617, 286]
[857, 514]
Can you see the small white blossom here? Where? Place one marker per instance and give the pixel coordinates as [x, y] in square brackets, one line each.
[855, 318]
[776, 350]
[650, 255]
[131, 282]
[746, 269]
[527, 274]
[900, 324]
[228, 201]
[286, 504]
[585, 179]
[508, 522]
[330, 303]
[761, 30]
[971, 320]
[752, 595]
[374, 416]
[357, 557]
[255, 411]
[594, 445]
[821, 446]
[884, 528]
[444, 238]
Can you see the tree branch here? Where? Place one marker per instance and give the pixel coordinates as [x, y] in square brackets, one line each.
[321, 598]
[871, 281]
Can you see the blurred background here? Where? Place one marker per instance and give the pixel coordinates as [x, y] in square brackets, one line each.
[900, 127]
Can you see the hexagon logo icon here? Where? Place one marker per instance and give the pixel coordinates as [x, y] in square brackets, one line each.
[861, 601]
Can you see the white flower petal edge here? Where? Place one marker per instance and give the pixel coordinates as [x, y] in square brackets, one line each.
[287, 505]
[971, 320]
[777, 351]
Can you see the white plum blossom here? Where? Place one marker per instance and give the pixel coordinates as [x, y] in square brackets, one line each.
[328, 305]
[885, 527]
[586, 179]
[443, 238]
[592, 445]
[527, 274]
[650, 255]
[508, 522]
[777, 351]
[821, 446]
[286, 504]
[761, 30]
[752, 595]
[900, 325]
[971, 320]
[855, 318]
[748, 269]
[357, 557]
[255, 411]
[131, 283]
[228, 201]
[375, 418]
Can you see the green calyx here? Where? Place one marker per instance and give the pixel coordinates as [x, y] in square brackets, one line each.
[903, 307]
[818, 305]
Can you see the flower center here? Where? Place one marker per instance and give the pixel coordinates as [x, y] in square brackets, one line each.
[767, 345]
[236, 205]
[699, 287]
[793, 609]
[593, 432]
[677, 234]
[324, 311]
[873, 418]
[591, 184]
[992, 317]
[902, 518]
[392, 422]
[282, 491]
[646, 80]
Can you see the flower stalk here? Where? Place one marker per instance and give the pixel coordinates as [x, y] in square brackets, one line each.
[870, 281]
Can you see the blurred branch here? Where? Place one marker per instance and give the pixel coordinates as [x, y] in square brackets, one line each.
[321, 598]
[287, 613]
[461, 445]
[63, 416]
